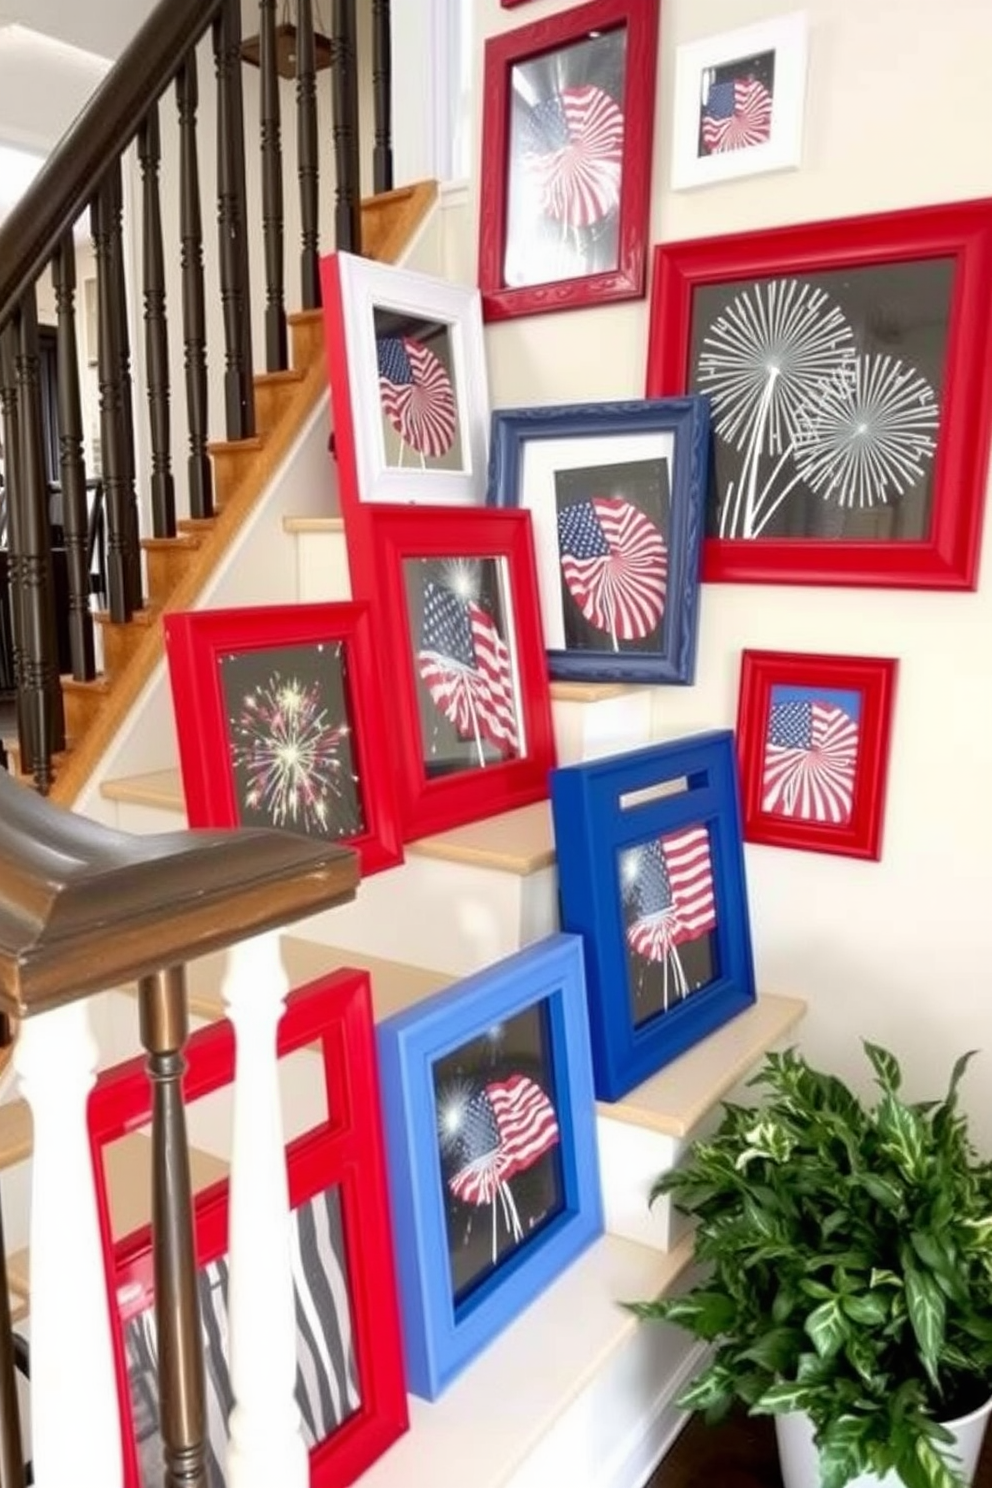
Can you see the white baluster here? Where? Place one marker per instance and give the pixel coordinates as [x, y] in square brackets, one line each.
[75, 1423]
[266, 1446]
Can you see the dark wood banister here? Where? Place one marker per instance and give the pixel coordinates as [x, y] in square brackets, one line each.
[71, 175]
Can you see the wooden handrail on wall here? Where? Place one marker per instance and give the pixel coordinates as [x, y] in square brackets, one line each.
[84, 908]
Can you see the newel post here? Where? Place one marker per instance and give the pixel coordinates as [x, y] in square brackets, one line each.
[75, 1424]
[266, 1443]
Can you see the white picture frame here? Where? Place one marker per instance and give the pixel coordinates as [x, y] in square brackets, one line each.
[362, 297]
[756, 79]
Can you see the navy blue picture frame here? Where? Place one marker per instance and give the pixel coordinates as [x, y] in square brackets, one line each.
[442, 1335]
[687, 419]
[606, 806]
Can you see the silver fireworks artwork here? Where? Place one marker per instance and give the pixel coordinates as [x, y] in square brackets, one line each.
[295, 756]
[791, 393]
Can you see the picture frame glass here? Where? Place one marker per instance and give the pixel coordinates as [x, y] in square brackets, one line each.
[826, 390]
[291, 744]
[736, 100]
[669, 917]
[499, 1145]
[327, 1382]
[602, 514]
[810, 754]
[565, 161]
[460, 619]
[419, 391]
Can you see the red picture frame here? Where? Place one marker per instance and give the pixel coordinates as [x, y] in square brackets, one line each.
[483, 710]
[616, 239]
[223, 758]
[332, 1014]
[948, 435]
[813, 738]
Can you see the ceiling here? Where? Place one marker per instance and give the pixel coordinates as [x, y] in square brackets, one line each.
[103, 27]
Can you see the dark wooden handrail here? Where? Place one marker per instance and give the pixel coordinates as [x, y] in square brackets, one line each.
[77, 166]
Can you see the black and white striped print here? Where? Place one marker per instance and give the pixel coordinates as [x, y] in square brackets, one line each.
[326, 1376]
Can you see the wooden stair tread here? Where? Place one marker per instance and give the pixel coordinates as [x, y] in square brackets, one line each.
[313, 524]
[194, 526]
[15, 1133]
[161, 788]
[520, 842]
[143, 618]
[494, 1416]
[285, 375]
[250, 446]
[99, 684]
[590, 692]
[128, 1166]
[675, 1100]
[191, 541]
[305, 318]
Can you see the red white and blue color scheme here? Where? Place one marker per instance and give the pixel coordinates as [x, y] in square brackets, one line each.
[736, 114]
[417, 395]
[573, 153]
[615, 566]
[671, 882]
[465, 665]
[811, 754]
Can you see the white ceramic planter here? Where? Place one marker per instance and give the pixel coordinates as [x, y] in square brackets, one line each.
[799, 1459]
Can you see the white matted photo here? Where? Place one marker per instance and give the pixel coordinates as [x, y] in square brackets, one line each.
[739, 102]
[406, 360]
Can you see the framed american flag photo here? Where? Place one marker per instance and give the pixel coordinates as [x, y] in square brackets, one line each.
[281, 723]
[813, 736]
[350, 1388]
[847, 368]
[409, 393]
[490, 1125]
[651, 873]
[567, 131]
[616, 492]
[458, 619]
[739, 101]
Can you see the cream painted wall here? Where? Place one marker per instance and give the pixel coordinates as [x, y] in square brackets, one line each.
[899, 951]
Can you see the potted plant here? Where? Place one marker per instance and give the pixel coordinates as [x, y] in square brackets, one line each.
[848, 1283]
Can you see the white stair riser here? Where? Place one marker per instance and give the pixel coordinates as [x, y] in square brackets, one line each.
[593, 730]
[322, 567]
[631, 1159]
[449, 917]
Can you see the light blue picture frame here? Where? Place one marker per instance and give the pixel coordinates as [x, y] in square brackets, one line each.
[604, 808]
[597, 428]
[441, 1336]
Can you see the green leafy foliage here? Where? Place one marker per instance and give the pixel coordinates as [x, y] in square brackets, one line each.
[848, 1267]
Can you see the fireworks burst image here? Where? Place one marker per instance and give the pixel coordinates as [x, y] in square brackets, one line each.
[291, 750]
[869, 433]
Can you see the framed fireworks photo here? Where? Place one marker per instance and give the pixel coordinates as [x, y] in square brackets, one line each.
[490, 1128]
[280, 723]
[567, 131]
[651, 874]
[616, 493]
[847, 368]
[813, 736]
[739, 102]
[458, 617]
[409, 392]
[349, 1385]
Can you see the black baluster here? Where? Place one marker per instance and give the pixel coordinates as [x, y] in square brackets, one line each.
[42, 692]
[112, 425]
[308, 154]
[72, 467]
[15, 542]
[132, 544]
[276, 349]
[382, 103]
[156, 330]
[239, 399]
[199, 469]
[344, 72]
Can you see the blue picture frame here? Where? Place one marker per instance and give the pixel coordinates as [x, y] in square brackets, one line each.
[633, 475]
[672, 813]
[441, 1334]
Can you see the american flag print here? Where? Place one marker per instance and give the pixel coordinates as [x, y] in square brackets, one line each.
[811, 756]
[502, 1130]
[464, 663]
[737, 114]
[668, 886]
[614, 563]
[417, 395]
[572, 152]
